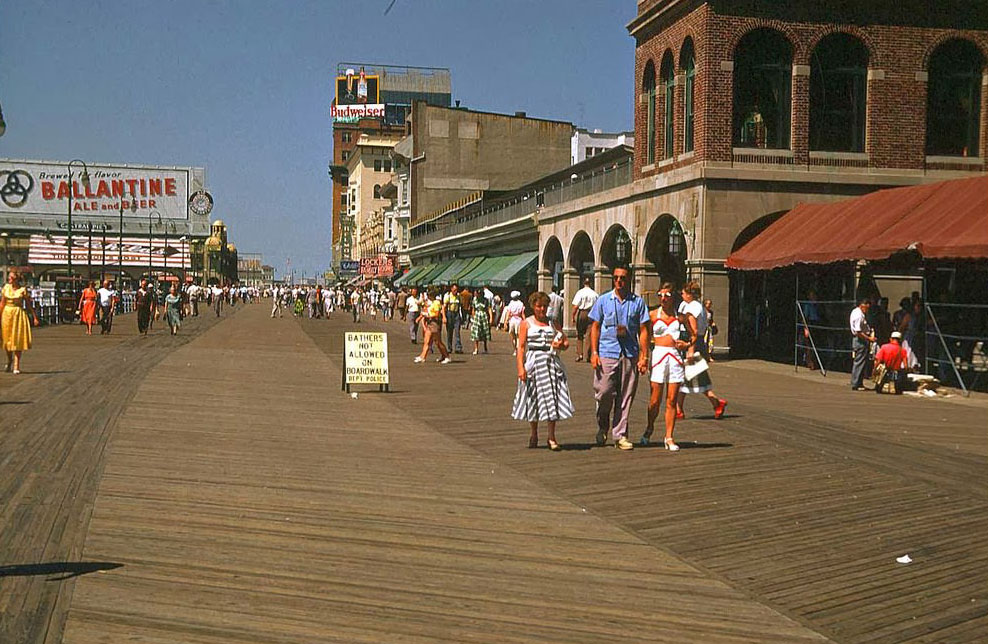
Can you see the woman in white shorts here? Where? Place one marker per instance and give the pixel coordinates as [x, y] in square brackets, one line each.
[515, 312]
[666, 364]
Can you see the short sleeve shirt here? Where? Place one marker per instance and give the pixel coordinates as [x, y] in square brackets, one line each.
[696, 309]
[892, 356]
[611, 312]
[412, 304]
[858, 322]
[585, 298]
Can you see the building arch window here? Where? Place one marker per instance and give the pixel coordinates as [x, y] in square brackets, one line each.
[687, 64]
[763, 90]
[953, 104]
[838, 94]
[377, 191]
[668, 74]
[648, 89]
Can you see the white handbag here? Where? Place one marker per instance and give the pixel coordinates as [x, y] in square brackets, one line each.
[695, 368]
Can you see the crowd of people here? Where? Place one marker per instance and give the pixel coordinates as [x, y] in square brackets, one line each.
[615, 332]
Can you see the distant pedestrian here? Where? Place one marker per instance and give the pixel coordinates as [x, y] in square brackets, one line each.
[107, 302]
[452, 319]
[433, 317]
[480, 323]
[355, 300]
[619, 339]
[15, 326]
[583, 301]
[276, 303]
[143, 305]
[666, 367]
[543, 389]
[861, 339]
[556, 306]
[515, 313]
[694, 317]
[412, 311]
[88, 303]
[712, 330]
[173, 310]
[217, 293]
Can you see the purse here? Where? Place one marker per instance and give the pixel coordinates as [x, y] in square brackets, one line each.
[695, 368]
[878, 374]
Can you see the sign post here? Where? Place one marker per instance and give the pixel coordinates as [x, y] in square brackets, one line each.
[365, 360]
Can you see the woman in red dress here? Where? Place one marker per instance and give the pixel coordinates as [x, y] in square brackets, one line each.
[87, 306]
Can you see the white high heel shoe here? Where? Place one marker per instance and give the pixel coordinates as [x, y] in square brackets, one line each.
[671, 445]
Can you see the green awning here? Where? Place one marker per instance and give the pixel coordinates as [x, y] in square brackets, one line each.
[454, 267]
[425, 278]
[480, 275]
[454, 276]
[410, 275]
[516, 271]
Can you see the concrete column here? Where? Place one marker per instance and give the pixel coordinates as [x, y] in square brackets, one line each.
[715, 286]
[647, 282]
[571, 284]
[602, 279]
[545, 280]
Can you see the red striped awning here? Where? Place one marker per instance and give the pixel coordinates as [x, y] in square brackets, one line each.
[938, 220]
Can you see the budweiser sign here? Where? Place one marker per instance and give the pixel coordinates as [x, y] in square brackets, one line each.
[353, 113]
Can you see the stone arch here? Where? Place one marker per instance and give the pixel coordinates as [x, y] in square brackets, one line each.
[616, 247]
[795, 41]
[552, 261]
[581, 258]
[876, 56]
[946, 37]
[665, 249]
[762, 95]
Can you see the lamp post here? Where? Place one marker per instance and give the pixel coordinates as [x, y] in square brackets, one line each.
[6, 254]
[133, 208]
[89, 252]
[151, 216]
[85, 181]
[102, 273]
[181, 258]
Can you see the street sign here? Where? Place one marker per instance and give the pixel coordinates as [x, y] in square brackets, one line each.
[365, 360]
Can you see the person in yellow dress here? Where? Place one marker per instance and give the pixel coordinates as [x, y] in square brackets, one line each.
[15, 302]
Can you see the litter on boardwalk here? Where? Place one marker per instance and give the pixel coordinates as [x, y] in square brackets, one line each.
[904, 559]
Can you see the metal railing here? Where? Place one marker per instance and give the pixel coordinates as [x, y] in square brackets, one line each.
[525, 205]
[957, 344]
[823, 343]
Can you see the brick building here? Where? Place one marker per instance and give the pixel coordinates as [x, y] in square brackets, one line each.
[745, 108]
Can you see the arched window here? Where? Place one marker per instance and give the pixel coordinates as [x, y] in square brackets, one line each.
[838, 94]
[953, 106]
[687, 64]
[668, 73]
[648, 89]
[762, 90]
[377, 191]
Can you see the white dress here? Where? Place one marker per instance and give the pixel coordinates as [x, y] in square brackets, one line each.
[545, 394]
[667, 363]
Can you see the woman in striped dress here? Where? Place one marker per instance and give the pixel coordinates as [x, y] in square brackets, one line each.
[543, 389]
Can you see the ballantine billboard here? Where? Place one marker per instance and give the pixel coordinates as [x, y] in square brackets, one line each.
[353, 113]
[41, 188]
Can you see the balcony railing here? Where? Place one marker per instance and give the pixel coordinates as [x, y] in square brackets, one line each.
[525, 205]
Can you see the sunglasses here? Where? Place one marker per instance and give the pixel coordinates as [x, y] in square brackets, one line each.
[620, 277]
[665, 294]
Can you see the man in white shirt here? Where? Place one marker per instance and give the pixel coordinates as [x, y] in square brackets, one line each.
[412, 305]
[276, 303]
[583, 301]
[107, 301]
[862, 337]
[355, 304]
[217, 293]
[556, 306]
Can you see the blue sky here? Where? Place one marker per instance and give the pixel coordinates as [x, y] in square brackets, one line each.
[243, 88]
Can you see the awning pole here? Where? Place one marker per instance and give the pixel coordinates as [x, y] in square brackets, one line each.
[946, 351]
[795, 344]
[809, 335]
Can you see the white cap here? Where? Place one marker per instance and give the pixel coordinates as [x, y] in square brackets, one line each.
[896, 335]
[515, 295]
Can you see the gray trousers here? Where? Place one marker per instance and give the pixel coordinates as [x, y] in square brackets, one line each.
[413, 327]
[859, 350]
[614, 386]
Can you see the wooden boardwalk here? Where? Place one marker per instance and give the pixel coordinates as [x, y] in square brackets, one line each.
[219, 488]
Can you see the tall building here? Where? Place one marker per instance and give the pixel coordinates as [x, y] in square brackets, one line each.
[744, 109]
[374, 100]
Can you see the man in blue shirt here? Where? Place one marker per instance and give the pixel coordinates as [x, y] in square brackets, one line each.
[619, 339]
